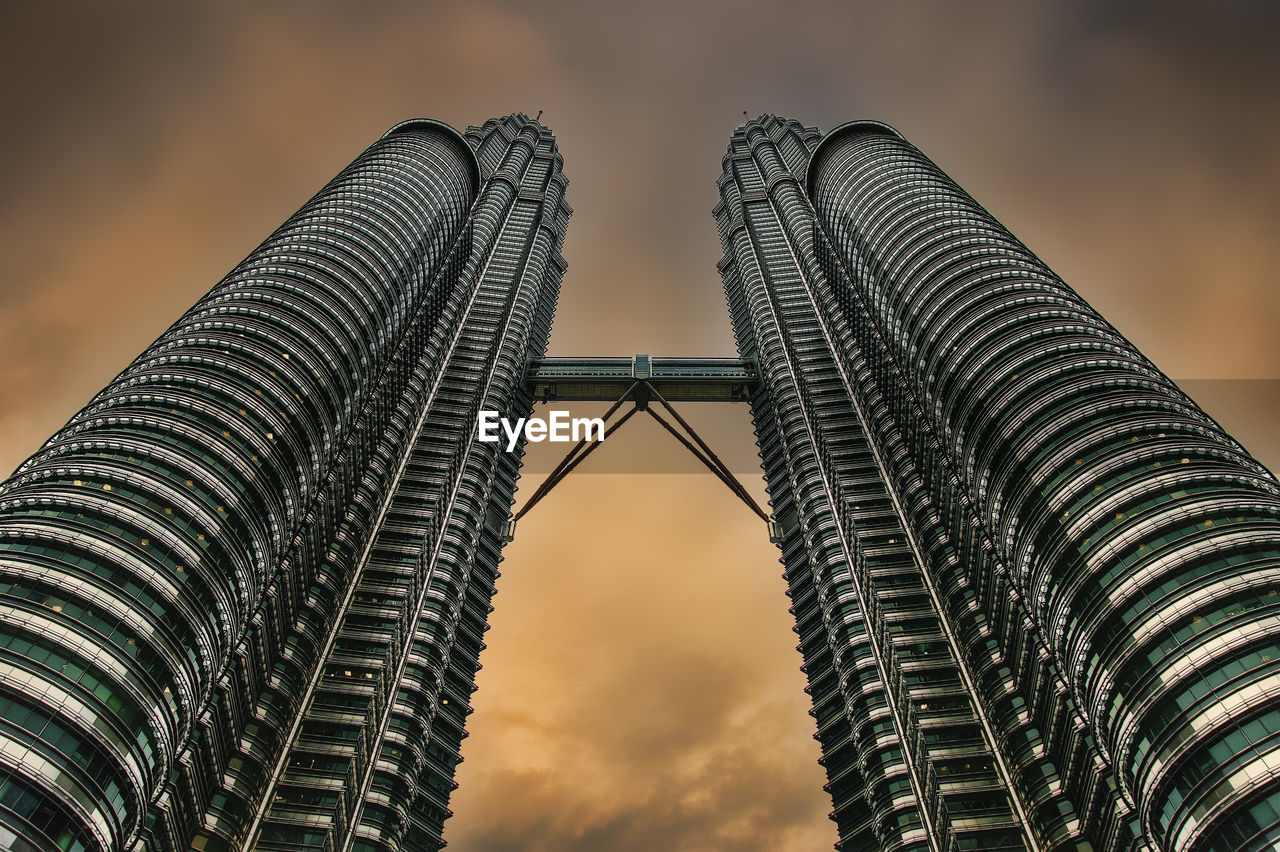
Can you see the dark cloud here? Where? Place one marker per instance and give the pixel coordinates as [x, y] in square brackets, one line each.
[640, 687]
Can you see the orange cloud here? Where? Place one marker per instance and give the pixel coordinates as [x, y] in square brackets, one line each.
[640, 688]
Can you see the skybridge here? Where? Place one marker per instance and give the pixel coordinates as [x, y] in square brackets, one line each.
[647, 383]
[673, 379]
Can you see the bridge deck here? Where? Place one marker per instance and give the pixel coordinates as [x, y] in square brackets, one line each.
[607, 379]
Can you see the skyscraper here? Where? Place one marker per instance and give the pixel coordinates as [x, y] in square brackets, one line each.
[1035, 585]
[243, 592]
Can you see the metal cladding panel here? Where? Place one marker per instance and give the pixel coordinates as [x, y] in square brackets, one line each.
[1114, 532]
[148, 550]
[369, 761]
[911, 763]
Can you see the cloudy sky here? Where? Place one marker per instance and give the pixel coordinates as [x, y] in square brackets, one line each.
[640, 688]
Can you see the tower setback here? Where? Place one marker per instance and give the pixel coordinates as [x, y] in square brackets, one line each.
[243, 592]
[1036, 586]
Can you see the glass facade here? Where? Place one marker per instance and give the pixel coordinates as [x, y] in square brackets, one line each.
[1035, 585]
[243, 591]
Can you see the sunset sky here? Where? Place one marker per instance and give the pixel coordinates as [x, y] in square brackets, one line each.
[640, 690]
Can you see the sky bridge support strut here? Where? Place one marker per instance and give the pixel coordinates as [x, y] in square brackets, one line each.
[642, 380]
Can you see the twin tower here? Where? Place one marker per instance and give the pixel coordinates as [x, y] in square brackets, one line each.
[1037, 589]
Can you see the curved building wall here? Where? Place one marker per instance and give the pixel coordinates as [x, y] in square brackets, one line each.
[144, 550]
[915, 752]
[1110, 522]
[369, 759]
